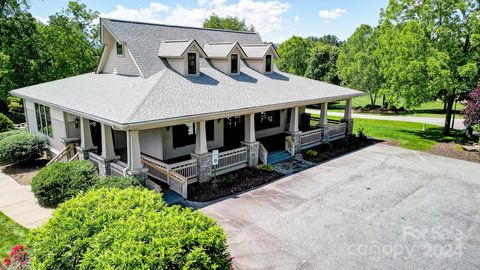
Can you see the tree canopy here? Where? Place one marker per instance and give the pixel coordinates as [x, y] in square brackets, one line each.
[228, 22]
[322, 63]
[294, 55]
[358, 63]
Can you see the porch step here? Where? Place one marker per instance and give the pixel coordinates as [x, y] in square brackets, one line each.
[278, 156]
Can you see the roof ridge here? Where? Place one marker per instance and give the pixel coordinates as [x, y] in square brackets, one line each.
[177, 40]
[179, 26]
[140, 103]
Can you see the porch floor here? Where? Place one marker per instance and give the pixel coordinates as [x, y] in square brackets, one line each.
[274, 142]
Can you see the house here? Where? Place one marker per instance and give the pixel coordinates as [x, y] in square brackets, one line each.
[163, 97]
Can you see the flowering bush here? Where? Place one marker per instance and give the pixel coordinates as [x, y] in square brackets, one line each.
[18, 259]
[472, 110]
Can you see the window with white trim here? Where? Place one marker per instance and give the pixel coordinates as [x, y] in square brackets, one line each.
[268, 63]
[234, 63]
[44, 121]
[120, 49]
[192, 63]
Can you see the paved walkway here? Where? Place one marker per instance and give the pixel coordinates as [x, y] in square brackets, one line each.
[19, 203]
[437, 121]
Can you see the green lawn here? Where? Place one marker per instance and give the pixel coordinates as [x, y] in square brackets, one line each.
[11, 234]
[429, 109]
[409, 135]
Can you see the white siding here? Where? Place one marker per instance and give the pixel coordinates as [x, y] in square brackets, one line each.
[257, 64]
[117, 64]
[151, 142]
[170, 152]
[178, 64]
[221, 64]
[73, 125]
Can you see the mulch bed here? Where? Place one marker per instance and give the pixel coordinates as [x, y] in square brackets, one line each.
[453, 150]
[230, 184]
[24, 171]
[336, 148]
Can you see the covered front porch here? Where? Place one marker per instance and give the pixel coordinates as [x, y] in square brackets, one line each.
[181, 154]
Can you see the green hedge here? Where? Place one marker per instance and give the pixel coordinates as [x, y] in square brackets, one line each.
[5, 123]
[21, 147]
[127, 229]
[117, 182]
[61, 181]
[5, 134]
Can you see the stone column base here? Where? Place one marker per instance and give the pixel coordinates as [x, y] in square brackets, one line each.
[141, 174]
[297, 139]
[252, 152]
[84, 152]
[103, 164]
[204, 166]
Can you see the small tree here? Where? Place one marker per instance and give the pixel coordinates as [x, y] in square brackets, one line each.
[127, 229]
[472, 110]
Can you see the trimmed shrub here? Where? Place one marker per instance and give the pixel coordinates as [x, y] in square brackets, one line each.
[117, 182]
[127, 229]
[21, 147]
[266, 167]
[5, 123]
[61, 181]
[5, 134]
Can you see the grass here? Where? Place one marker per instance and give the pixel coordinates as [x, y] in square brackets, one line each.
[409, 135]
[429, 109]
[11, 234]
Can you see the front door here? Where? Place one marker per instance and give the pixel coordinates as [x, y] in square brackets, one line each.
[96, 131]
[233, 131]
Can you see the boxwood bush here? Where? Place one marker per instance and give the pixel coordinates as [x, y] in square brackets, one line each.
[127, 229]
[5, 123]
[21, 146]
[61, 181]
[117, 182]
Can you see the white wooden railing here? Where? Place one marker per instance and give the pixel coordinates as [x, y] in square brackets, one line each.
[186, 168]
[177, 182]
[232, 158]
[336, 131]
[263, 153]
[289, 145]
[311, 136]
[66, 155]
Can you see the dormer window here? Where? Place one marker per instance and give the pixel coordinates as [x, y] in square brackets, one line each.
[120, 51]
[234, 63]
[192, 63]
[268, 63]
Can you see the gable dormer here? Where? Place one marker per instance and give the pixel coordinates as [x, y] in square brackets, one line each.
[116, 57]
[260, 56]
[225, 56]
[182, 55]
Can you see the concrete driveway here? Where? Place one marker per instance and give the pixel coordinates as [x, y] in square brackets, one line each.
[378, 208]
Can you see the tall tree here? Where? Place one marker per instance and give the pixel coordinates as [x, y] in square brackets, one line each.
[327, 39]
[18, 53]
[451, 28]
[294, 55]
[229, 22]
[358, 62]
[70, 44]
[322, 63]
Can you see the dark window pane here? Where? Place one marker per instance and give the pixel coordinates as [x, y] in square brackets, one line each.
[44, 121]
[234, 63]
[268, 63]
[192, 63]
[185, 134]
[119, 49]
[265, 120]
[209, 126]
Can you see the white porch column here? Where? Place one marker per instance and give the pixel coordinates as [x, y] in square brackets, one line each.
[348, 109]
[250, 128]
[201, 138]
[323, 114]
[294, 118]
[85, 134]
[134, 153]
[107, 142]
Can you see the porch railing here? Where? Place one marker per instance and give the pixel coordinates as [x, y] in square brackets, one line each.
[186, 168]
[118, 168]
[289, 145]
[311, 136]
[263, 154]
[232, 158]
[66, 155]
[336, 131]
[177, 182]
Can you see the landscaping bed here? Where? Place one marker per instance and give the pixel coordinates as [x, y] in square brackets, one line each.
[336, 148]
[23, 172]
[454, 150]
[231, 183]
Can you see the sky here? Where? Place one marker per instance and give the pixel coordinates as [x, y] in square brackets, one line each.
[275, 20]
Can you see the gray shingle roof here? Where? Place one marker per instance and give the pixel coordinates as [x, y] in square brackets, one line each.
[143, 39]
[164, 94]
[173, 48]
[257, 50]
[221, 49]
